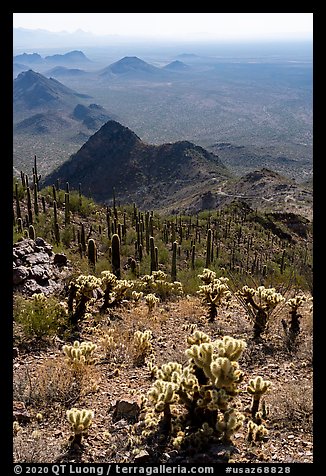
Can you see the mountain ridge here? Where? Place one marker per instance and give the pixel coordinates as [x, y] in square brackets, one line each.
[116, 157]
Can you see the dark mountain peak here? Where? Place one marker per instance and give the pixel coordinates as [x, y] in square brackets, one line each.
[113, 131]
[151, 175]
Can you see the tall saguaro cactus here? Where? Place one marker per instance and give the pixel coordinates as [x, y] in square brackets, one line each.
[174, 261]
[91, 251]
[115, 259]
[209, 248]
[153, 255]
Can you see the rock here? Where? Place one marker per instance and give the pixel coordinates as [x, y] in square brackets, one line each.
[127, 409]
[32, 287]
[20, 413]
[37, 258]
[39, 273]
[36, 269]
[60, 259]
[15, 352]
[142, 456]
[20, 273]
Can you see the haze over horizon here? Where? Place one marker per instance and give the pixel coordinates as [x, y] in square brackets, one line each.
[174, 26]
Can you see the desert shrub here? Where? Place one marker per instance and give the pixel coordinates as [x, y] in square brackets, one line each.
[39, 316]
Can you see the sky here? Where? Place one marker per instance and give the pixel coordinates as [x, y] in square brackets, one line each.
[222, 26]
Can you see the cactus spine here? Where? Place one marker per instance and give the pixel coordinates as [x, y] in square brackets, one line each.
[115, 259]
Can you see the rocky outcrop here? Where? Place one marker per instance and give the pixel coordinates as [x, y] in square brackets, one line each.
[37, 269]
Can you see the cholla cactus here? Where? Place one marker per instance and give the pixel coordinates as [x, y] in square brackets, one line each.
[108, 343]
[153, 368]
[80, 421]
[143, 346]
[229, 423]
[151, 301]
[120, 292]
[256, 432]
[157, 283]
[215, 294]
[294, 304]
[108, 282]
[80, 354]
[81, 292]
[136, 297]
[205, 386]
[260, 303]
[207, 276]
[198, 337]
[257, 387]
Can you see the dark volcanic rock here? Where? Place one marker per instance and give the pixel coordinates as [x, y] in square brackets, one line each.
[36, 269]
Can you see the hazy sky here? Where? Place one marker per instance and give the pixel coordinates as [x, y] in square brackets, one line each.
[226, 26]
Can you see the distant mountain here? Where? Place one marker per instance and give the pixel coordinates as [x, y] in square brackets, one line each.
[131, 66]
[42, 123]
[29, 58]
[19, 68]
[68, 58]
[34, 91]
[176, 66]
[150, 175]
[63, 71]
[92, 116]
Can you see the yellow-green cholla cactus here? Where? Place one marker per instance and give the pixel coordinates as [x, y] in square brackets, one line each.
[208, 276]
[229, 423]
[257, 387]
[80, 354]
[204, 387]
[120, 291]
[80, 421]
[260, 302]
[256, 432]
[108, 282]
[143, 346]
[215, 294]
[151, 301]
[294, 304]
[81, 292]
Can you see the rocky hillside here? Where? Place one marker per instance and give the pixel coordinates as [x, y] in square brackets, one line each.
[152, 176]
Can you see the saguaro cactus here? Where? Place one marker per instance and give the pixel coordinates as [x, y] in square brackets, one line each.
[174, 261]
[18, 212]
[115, 245]
[91, 251]
[152, 253]
[31, 232]
[208, 248]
